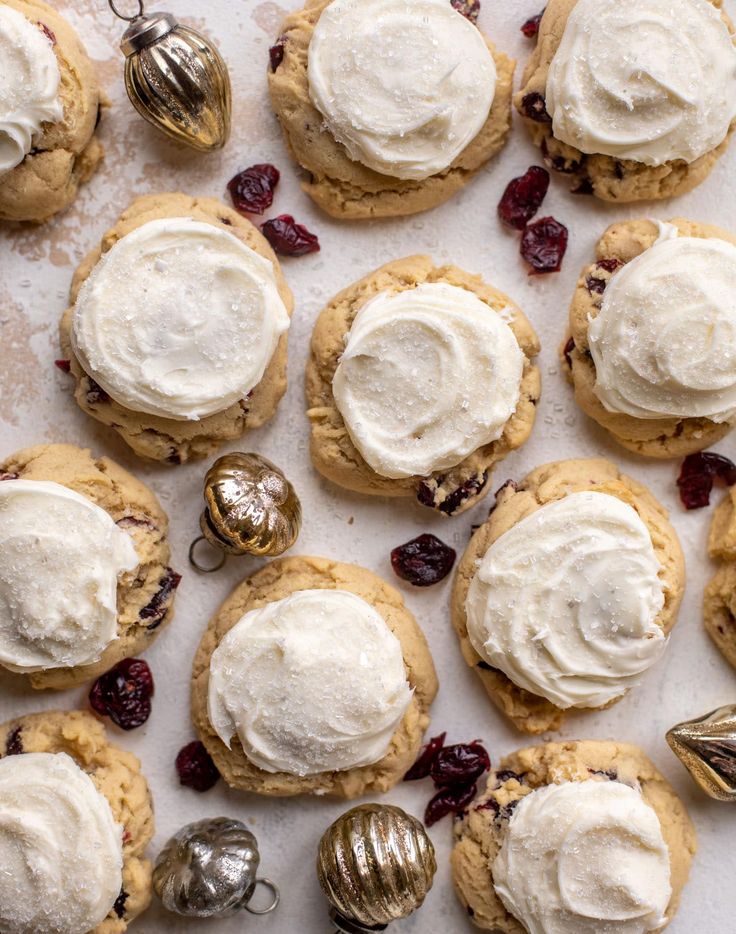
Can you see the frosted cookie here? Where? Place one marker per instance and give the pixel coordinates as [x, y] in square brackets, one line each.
[565, 596]
[84, 565]
[390, 107]
[75, 821]
[177, 329]
[651, 346]
[313, 677]
[574, 837]
[719, 608]
[49, 109]
[420, 380]
[634, 100]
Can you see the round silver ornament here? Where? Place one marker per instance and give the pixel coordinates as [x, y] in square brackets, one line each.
[208, 870]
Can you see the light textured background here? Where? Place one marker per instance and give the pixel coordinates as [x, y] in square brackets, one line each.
[36, 266]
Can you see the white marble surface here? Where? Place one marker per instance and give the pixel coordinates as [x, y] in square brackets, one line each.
[36, 265]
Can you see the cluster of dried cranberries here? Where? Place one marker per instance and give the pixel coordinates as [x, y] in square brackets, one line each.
[698, 474]
[423, 561]
[124, 693]
[454, 770]
[543, 243]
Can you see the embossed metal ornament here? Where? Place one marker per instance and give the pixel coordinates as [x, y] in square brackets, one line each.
[707, 749]
[251, 509]
[208, 870]
[375, 865]
[176, 79]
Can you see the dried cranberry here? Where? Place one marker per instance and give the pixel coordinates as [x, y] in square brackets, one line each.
[423, 561]
[523, 197]
[64, 365]
[543, 245]
[535, 107]
[49, 33]
[4, 475]
[470, 9]
[119, 906]
[252, 189]
[506, 775]
[427, 494]
[124, 693]
[429, 752]
[559, 163]
[595, 284]
[289, 238]
[460, 764]
[531, 26]
[699, 472]
[610, 265]
[448, 801]
[567, 352]
[13, 742]
[583, 187]
[195, 767]
[95, 393]
[159, 604]
[276, 52]
[610, 774]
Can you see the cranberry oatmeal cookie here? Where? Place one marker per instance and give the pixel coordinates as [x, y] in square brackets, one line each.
[719, 609]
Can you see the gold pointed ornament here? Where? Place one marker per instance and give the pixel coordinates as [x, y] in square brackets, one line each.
[707, 748]
[375, 865]
[176, 79]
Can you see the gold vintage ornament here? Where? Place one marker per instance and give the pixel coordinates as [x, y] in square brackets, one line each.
[251, 509]
[176, 79]
[375, 865]
[707, 749]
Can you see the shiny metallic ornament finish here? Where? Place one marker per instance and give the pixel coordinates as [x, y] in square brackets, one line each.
[707, 749]
[375, 865]
[251, 507]
[177, 80]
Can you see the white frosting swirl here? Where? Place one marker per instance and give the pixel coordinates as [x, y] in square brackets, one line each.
[648, 80]
[311, 683]
[584, 858]
[61, 557]
[179, 319]
[664, 341]
[428, 376]
[565, 602]
[60, 849]
[29, 86]
[404, 85]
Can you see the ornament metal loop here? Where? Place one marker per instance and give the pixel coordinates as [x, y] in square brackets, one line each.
[128, 19]
[204, 568]
[275, 898]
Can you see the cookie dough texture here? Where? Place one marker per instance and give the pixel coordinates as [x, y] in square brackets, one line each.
[334, 454]
[135, 509]
[514, 502]
[347, 189]
[657, 437]
[479, 835]
[66, 153]
[719, 604]
[166, 439]
[610, 179]
[274, 582]
[116, 775]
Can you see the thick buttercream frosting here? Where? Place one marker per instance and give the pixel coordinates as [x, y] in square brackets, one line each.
[60, 849]
[428, 376]
[178, 319]
[29, 85]
[664, 341]
[584, 858]
[404, 85]
[566, 602]
[60, 559]
[647, 80]
[311, 683]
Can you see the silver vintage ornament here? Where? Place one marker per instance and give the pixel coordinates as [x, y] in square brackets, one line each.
[208, 870]
[707, 748]
[176, 79]
[375, 865]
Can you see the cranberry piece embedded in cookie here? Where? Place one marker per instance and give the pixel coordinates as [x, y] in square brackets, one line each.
[64, 365]
[597, 285]
[531, 26]
[429, 752]
[423, 561]
[124, 693]
[534, 107]
[95, 393]
[697, 475]
[13, 742]
[157, 608]
[195, 767]
[4, 475]
[119, 906]
[289, 238]
[470, 9]
[567, 352]
[49, 33]
[428, 489]
[448, 801]
[276, 52]
[523, 197]
[460, 764]
[543, 245]
[252, 189]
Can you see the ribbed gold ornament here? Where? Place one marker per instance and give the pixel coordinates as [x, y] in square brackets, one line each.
[707, 749]
[375, 865]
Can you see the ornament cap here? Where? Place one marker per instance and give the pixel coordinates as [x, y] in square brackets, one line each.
[144, 30]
